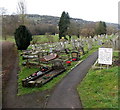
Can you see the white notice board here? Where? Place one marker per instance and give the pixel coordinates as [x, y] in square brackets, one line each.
[105, 56]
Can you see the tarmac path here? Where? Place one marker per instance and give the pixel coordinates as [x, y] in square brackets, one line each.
[65, 94]
[9, 98]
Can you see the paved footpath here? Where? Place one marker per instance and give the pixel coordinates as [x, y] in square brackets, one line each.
[65, 94]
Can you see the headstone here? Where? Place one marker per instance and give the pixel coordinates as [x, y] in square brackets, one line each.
[75, 55]
[93, 39]
[67, 51]
[99, 42]
[38, 83]
[89, 44]
[51, 50]
[81, 50]
[33, 47]
[117, 43]
[58, 64]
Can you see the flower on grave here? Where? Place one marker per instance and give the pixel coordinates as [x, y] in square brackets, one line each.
[74, 59]
[34, 74]
[43, 70]
[81, 53]
[68, 63]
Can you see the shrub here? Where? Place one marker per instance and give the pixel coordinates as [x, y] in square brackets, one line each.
[22, 37]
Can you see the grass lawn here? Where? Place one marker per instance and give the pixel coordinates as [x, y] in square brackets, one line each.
[45, 39]
[99, 89]
[50, 38]
[39, 38]
[9, 38]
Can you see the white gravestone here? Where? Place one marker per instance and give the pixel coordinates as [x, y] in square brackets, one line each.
[105, 56]
[51, 50]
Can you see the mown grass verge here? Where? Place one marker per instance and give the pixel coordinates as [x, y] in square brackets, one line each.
[99, 89]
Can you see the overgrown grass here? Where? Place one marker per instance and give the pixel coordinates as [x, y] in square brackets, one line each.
[99, 89]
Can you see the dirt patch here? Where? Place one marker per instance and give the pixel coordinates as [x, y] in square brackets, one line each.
[9, 55]
[116, 62]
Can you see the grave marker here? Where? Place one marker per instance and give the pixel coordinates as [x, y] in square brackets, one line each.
[75, 55]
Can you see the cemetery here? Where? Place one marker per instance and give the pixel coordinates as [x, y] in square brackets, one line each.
[44, 65]
[40, 60]
[46, 56]
[54, 62]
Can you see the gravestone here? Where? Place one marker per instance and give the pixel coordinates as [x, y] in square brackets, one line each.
[51, 50]
[93, 39]
[99, 42]
[75, 55]
[117, 43]
[67, 51]
[113, 43]
[31, 83]
[83, 42]
[58, 64]
[89, 43]
[73, 43]
[81, 50]
[33, 47]
[62, 44]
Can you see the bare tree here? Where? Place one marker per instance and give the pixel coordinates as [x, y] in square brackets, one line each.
[3, 12]
[88, 30]
[111, 30]
[21, 10]
[6, 22]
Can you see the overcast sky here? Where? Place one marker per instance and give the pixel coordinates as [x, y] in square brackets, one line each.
[92, 10]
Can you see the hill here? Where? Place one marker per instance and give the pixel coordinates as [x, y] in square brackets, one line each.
[45, 19]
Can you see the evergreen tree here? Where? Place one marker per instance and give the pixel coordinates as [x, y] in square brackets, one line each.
[104, 28]
[63, 25]
[101, 28]
[22, 37]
